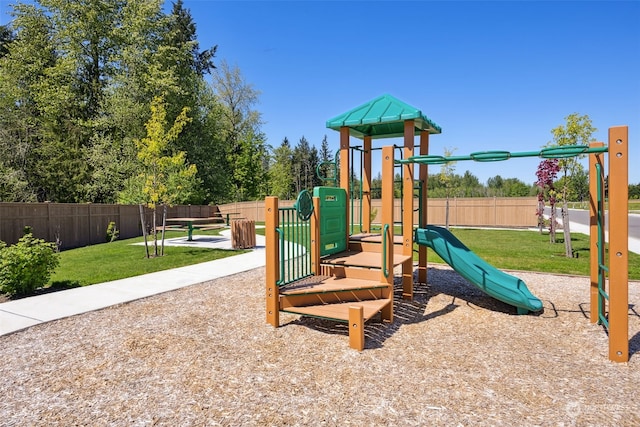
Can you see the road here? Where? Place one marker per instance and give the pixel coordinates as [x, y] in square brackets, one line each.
[579, 220]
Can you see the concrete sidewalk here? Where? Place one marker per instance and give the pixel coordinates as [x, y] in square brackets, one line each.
[26, 312]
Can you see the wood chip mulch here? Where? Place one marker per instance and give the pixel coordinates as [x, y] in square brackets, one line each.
[204, 356]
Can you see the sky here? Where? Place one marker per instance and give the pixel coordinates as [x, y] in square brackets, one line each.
[493, 75]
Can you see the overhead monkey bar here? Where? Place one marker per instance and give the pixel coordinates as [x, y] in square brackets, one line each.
[560, 152]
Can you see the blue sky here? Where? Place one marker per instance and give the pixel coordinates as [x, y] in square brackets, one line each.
[493, 75]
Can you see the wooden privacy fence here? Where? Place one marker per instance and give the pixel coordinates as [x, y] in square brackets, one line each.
[472, 211]
[73, 225]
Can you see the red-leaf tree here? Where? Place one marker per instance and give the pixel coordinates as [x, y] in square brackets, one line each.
[547, 171]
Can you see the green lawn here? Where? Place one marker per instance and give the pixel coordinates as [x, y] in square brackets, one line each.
[527, 250]
[530, 251]
[506, 249]
[121, 259]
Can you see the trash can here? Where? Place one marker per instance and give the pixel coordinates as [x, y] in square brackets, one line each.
[243, 233]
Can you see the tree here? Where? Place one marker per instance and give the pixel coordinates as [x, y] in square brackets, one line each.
[577, 131]
[281, 171]
[326, 159]
[446, 179]
[470, 185]
[166, 177]
[546, 175]
[240, 122]
[305, 162]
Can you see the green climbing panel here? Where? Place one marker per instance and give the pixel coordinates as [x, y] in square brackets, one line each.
[333, 219]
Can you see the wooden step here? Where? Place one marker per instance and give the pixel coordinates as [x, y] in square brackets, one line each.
[319, 290]
[371, 242]
[362, 259]
[340, 311]
[324, 284]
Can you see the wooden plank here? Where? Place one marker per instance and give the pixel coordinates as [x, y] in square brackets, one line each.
[305, 300]
[321, 284]
[362, 259]
[619, 244]
[340, 312]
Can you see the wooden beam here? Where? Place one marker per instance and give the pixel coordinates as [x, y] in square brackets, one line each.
[619, 243]
[407, 211]
[423, 176]
[366, 186]
[272, 255]
[344, 171]
[356, 327]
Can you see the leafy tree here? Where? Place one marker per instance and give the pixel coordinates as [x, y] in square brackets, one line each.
[546, 175]
[470, 185]
[240, 122]
[634, 191]
[446, 178]
[166, 177]
[6, 37]
[576, 131]
[281, 171]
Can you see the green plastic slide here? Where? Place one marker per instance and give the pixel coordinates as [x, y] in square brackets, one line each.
[493, 282]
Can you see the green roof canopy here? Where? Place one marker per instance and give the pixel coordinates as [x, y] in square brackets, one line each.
[382, 117]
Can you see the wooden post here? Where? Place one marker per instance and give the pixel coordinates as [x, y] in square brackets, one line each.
[619, 243]
[424, 176]
[407, 211]
[344, 169]
[366, 186]
[387, 219]
[595, 252]
[272, 255]
[356, 327]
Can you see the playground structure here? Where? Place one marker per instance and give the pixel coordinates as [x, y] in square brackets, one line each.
[322, 262]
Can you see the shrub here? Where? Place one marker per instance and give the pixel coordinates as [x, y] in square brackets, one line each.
[27, 265]
[112, 232]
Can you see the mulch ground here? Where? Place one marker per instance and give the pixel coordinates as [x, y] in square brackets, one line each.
[204, 355]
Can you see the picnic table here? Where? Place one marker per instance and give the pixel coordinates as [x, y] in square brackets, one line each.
[228, 216]
[193, 224]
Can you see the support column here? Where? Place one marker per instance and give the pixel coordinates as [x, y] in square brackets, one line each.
[344, 170]
[272, 266]
[407, 211]
[596, 234]
[365, 204]
[424, 176]
[619, 244]
[387, 235]
[356, 327]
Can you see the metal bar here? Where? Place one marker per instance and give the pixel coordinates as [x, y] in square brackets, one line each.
[550, 152]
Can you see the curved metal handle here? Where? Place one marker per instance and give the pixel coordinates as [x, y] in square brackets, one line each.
[385, 268]
[280, 281]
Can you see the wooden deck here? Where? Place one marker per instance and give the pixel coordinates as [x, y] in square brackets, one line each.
[326, 284]
[362, 259]
[340, 312]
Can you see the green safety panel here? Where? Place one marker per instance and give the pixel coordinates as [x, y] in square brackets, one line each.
[333, 219]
